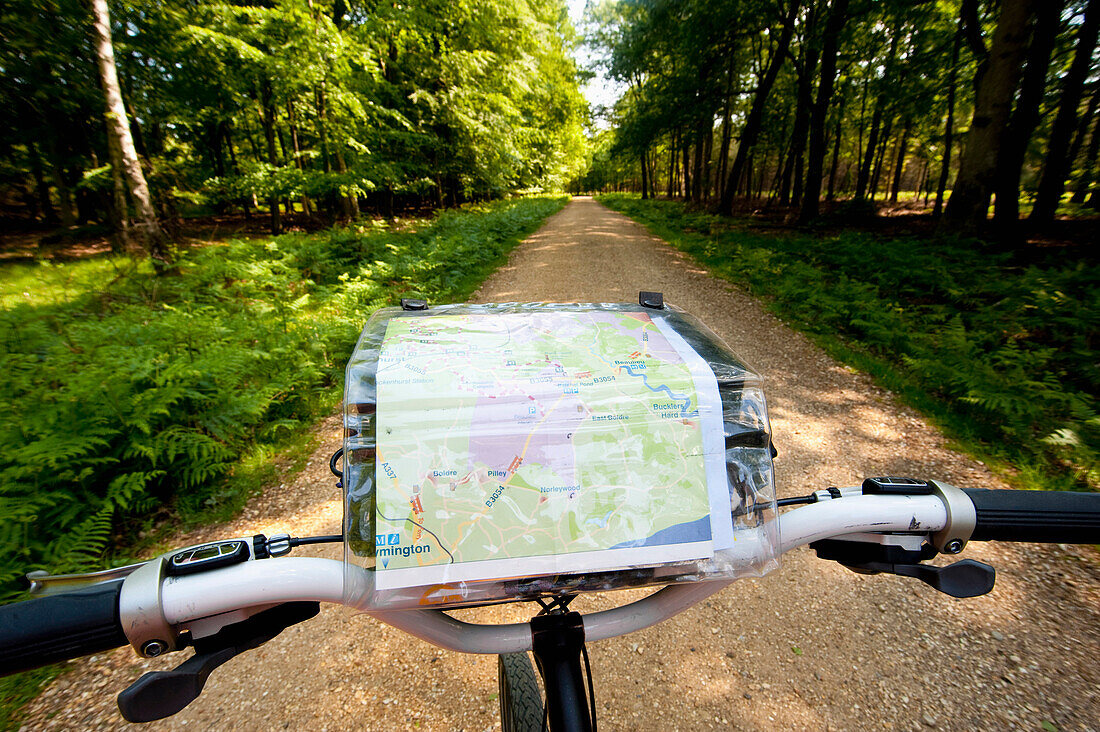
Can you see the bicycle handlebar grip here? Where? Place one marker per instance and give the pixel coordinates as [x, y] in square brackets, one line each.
[1057, 517]
[38, 632]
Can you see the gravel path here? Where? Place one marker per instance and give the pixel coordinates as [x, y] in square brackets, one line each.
[811, 646]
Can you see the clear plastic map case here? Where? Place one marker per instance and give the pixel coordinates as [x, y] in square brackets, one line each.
[513, 451]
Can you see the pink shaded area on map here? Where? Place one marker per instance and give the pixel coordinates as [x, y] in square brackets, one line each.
[502, 424]
[503, 419]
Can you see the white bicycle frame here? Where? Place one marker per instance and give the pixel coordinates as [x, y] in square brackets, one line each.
[210, 600]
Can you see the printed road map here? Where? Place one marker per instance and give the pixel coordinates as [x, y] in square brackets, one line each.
[543, 442]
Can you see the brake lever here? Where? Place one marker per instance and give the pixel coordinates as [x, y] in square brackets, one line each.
[965, 578]
[42, 584]
[160, 694]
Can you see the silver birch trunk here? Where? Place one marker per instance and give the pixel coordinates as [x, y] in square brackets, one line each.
[118, 128]
[121, 216]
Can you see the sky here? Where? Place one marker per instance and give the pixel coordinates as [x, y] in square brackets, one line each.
[599, 92]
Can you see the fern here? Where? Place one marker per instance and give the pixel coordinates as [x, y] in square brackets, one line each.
[124, 398]
[1008, 353]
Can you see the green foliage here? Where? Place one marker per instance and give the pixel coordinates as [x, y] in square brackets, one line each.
[1004, 353]
[127, 398]
[431, 102]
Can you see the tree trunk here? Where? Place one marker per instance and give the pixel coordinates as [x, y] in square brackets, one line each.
[1091, 155]
[927, 181]
[671, 165]
[215, 136]
[64, 191]
[350, 202]
[118, 127]
[651, 161]
[1079, 142]
[215, 131]
[777, 178]
[41, 187]
[1058, 164]
[870, 155]
[727, 124]
[1006, 209]
[322, 127]
[876, 175]
[120, 216]
[922, 179]
[838, 15]
[267, 116]
[282, 147]
[754, 122]
[748, 176]
[996, 90]
[686, 166]
[831, 193]
[860, 127]
[903, 146]
[645, 177]
[864, 176]
[949, 127]
[299, 161]
[708, 151]
[244, 200]
[760, 177]
[803, 106]
[697, 168]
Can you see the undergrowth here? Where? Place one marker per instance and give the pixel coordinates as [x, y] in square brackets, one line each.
[1002, 353]
[131, 398]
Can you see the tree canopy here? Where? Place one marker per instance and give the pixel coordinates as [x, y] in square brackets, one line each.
[801, 102]
[318, 106]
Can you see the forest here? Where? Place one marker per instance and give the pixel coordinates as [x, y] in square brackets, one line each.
[154, 370]
[951, 106]
[307, 109]
[315, 111]
[369, 151]
[201, 201]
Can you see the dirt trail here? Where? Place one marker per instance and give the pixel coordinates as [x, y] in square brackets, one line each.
[811, 646]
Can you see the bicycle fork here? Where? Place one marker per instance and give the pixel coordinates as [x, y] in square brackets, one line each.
[558, 642]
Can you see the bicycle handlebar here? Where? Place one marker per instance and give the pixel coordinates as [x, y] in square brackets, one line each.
[60, 627]
[254, 583]
[87, 621]
[1044, 516]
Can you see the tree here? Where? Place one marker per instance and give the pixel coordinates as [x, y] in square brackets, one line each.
[1058, 164]
[753, 123]
[996, 84]
[949, 125]
[318, 106]
[1027, 113]
[838, 15]
[118, 128]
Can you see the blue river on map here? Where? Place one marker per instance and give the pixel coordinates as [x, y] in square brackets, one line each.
[697, 530]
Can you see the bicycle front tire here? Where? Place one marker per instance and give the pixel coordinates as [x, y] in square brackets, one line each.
[520, 699]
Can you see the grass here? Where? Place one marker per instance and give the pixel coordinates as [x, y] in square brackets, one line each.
[998, 349]
[46, 283]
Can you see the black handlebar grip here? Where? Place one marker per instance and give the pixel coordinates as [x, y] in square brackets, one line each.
[38, 632]
[1056, 517]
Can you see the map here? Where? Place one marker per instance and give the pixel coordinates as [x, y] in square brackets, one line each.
[543, 442]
